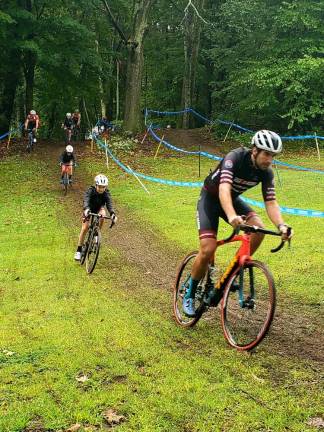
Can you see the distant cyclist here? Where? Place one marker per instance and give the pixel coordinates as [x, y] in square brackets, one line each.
[96, 198]
[104, 124]
[67, 160]
[240, 170]
[76, 117]
[32, 122]
[67, 125]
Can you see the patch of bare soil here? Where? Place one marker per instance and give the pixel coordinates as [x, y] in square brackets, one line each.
[297, 330]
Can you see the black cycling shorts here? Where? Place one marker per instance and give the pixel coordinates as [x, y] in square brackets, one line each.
[209, 210]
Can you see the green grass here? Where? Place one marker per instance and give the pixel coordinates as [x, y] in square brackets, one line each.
[60, 323]
[171, 210]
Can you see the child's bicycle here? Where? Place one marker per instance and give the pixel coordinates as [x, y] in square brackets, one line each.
[246, 289]
[91, 248]
[66, 180]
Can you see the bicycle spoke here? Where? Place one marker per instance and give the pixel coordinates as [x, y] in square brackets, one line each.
[248, 311]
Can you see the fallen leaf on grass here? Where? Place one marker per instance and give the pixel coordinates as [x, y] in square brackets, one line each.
[112, 418]
[82, 378]
[8, 353]
[316, 422]
[74, 428]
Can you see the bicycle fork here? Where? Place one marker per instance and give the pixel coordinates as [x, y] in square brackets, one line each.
[249, 301]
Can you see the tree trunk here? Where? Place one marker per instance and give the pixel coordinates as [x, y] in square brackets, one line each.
[10, 83]
[192, 31]
[29, 72]
[132, 115]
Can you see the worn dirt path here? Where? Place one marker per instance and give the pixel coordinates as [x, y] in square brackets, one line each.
[297, 330]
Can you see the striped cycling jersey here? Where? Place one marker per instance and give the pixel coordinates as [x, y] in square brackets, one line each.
[238, 170]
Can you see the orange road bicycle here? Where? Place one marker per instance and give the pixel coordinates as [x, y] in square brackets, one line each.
[246, 291]
[91, 248]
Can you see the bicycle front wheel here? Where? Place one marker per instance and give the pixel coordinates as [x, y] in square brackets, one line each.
[248, 306]
[93, 251]
[179, 290]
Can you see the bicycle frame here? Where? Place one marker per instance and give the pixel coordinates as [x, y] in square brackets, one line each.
[243, 254]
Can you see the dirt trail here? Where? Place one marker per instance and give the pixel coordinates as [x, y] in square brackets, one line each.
[297, 330]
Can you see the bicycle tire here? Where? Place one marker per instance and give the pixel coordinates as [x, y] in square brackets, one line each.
[179, 289]
[93, 251]
[65, 183]
[244, 327]
[85, 248]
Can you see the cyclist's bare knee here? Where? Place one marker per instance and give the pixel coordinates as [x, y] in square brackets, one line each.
[207, 249]
[254, 219]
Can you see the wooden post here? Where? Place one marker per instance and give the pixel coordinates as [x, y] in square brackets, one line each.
[143, 186]
[317, 146]
[228, 131]
[9, 139]
[144, 136]
[91, 149]
[107, 160]
[157, 150]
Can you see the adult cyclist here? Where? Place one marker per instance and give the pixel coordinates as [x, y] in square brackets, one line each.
[32, 123]
[96, 198]
[67, 125]
[240, 170]
[67, 160]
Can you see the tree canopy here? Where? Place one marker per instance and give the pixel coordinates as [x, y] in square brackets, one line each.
[259, 63]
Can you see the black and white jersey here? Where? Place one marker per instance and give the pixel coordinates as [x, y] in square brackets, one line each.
[238, 170]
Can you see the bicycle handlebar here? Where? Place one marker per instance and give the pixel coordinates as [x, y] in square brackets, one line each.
[103, 217]
[255, 229]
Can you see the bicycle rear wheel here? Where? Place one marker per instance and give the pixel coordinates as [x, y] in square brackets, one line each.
[180, 288]
[93, 251]
[247, 311]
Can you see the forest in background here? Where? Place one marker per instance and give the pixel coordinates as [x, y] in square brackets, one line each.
[259, 63]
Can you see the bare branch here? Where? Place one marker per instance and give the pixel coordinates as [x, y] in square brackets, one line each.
[114, 22]
[190, 3]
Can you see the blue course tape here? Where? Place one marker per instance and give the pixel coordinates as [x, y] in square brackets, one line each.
[11, 132]
[202, 153]
[292, 211]
[210, 156]
[293, 138]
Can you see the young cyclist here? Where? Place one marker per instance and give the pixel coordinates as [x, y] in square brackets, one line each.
[67, 160]
[96, 199]
[241, 169]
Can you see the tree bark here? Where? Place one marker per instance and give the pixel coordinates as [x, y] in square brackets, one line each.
[132, 115]
[192, 31]
[10, 83]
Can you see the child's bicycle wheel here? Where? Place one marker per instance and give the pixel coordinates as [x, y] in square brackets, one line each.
[93, 251]
[179, 290]
[65, 183]
[247, 310]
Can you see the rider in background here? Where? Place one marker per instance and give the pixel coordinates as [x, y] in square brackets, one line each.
[96, 198]
[67, 160]
[104, 124]
[32, 122]
[67, 125]
[241, 169]
[76, 118]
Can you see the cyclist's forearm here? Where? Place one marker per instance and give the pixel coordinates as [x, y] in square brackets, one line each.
[273, 212]
[226, 201]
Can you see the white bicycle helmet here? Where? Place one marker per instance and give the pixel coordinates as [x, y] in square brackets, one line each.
[68, 115]
[32, 112]
[101, 180]
[69, 149]
[267, 140]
